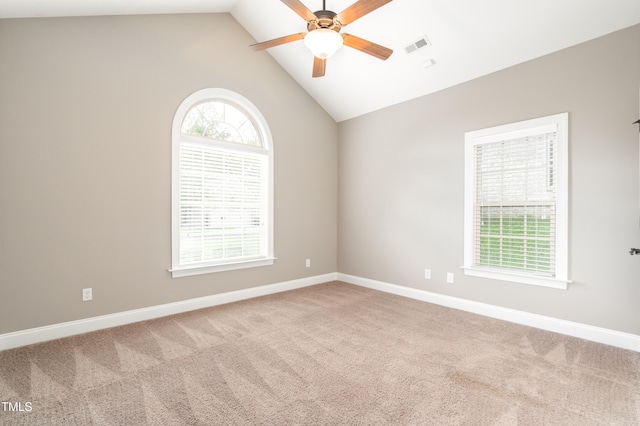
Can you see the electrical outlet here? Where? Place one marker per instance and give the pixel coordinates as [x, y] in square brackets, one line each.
[87, 294]
[450, 277]
[308, 263]
[427, 274]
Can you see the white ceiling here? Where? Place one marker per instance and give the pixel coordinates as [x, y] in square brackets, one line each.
[469, 38]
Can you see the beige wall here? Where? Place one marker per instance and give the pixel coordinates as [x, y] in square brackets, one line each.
[86, 106]
[401, 171]
[85, 116]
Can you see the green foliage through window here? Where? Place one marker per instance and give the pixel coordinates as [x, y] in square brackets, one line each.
[220, 121]
[512, 239]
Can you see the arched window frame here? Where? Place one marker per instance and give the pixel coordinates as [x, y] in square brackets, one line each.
[178, 138]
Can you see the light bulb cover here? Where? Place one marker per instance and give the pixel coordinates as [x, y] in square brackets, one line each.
[323, 42]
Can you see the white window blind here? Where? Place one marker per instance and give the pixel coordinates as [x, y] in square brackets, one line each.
[222, 205]
[515, 204]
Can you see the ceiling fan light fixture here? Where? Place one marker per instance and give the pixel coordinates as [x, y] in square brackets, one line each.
[323, 43]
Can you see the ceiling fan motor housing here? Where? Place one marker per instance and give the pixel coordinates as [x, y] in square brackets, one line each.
[325, 20]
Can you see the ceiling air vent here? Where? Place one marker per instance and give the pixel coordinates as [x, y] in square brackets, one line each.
[424, 41]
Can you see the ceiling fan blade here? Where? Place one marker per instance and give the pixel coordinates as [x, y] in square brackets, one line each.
[366, 46]
[278, 41]
[319, 67]
[300, 9]
[358, 10]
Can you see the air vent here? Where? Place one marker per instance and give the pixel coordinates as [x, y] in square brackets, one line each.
[423, 42]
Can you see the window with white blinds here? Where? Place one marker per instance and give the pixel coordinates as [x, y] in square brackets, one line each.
[515, 204]
[222, 205]
[222, 185]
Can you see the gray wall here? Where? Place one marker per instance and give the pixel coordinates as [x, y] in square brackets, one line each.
[401, 171]
[86, 106]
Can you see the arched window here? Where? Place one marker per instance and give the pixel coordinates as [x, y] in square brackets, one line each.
[222, 180]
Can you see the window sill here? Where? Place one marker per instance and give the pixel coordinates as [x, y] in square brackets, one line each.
[516, 277]
[186, 271]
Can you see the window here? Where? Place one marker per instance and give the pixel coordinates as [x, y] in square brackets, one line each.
[516, 189]
[222, 197]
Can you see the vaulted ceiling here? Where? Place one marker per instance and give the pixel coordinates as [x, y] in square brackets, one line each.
[466, 39]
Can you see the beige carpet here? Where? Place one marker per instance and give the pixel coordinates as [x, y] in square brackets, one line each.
[323, 355]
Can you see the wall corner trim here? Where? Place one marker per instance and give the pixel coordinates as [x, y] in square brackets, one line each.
[66, 329]
[569, 328]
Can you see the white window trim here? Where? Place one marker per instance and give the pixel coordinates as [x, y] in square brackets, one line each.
[259, 121]
[560, 124]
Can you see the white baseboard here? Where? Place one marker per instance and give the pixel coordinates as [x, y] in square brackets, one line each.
[56, 331]
[583, 331]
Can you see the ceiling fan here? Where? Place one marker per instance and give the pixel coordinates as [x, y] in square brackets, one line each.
[323, 37]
